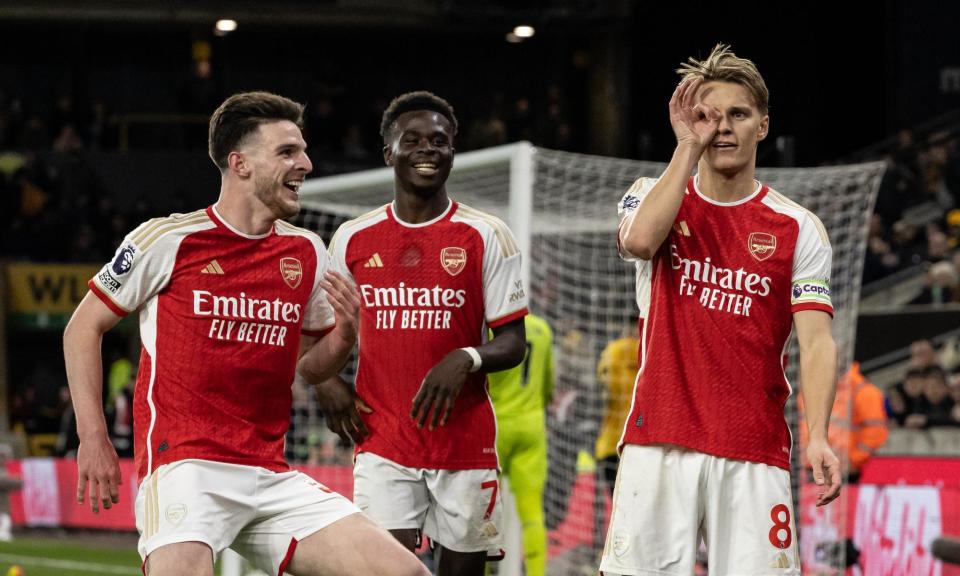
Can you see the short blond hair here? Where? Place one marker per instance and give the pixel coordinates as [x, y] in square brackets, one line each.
[723, 65]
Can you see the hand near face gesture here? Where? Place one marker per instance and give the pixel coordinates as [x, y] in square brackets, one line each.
[693, 124]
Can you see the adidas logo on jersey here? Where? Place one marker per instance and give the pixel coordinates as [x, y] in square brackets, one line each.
[212, 268]
[681, 228]
[374, 261]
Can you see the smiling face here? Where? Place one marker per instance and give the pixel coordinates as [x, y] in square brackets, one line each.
[277, 162]
[742, 126]
[421, 152]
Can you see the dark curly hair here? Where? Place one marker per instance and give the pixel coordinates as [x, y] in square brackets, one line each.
[419, 100]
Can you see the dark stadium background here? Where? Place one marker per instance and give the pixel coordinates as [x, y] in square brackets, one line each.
[848, 83]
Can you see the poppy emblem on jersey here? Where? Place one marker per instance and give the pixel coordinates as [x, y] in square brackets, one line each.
[453, 259]
[291, 271]
[761, 245]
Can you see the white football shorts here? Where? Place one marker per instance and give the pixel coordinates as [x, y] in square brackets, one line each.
[259, 513]
[667, 497]
[458, 509]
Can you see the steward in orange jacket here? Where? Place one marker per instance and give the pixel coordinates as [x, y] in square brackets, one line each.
[858, 422]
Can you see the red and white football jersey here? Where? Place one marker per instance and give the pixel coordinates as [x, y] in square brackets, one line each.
[717, 303]
[427, 289]
[221, 314]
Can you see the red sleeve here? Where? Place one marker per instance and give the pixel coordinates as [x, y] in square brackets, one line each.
[113, 306]
[812, 306]
[508, 318]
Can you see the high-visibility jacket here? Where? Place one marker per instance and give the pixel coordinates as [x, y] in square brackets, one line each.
[868, 429]
[858, 422]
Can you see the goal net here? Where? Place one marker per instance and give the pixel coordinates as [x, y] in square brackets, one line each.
[562, 209]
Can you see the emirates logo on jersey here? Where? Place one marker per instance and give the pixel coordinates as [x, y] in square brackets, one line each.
[291, 271]
[761, 245]
[453, 259]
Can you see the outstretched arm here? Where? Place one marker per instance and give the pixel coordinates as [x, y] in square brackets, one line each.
[694, 125]
[97, 464]
[818, 377]
[442, 385]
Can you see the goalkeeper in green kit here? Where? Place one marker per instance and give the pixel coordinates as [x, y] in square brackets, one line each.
[520, 397]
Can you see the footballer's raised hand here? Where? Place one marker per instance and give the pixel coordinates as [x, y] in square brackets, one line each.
[694, 124]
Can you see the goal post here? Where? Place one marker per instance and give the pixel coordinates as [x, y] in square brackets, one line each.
[561, 207]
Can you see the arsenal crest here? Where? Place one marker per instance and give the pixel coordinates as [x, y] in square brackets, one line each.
[761, 245]
[291, 271]
[453, 260]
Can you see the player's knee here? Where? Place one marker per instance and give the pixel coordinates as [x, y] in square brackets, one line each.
[180, 558]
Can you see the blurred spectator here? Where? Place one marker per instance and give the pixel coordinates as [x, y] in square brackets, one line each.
[954, 383]
[940, 285]
[922, 354]
[880, 259]
[907, 243]
[933, 163]
[938, 247]
[899, 185]
[906, 398]
[939, 409]
[67, 140]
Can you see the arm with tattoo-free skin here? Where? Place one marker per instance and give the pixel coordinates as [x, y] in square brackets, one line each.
[818, 376]
[98, 467]
[694, 125]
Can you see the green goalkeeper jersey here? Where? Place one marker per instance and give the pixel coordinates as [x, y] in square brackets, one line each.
[525, 389]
